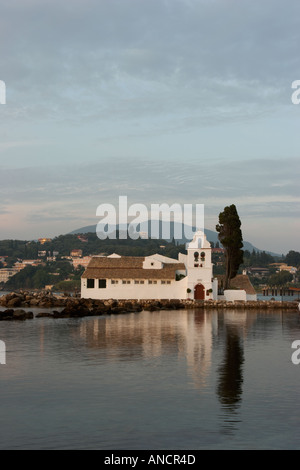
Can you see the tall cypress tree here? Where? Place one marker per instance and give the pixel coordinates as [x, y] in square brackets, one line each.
[230, 235]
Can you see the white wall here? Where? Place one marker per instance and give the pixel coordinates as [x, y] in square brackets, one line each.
[232, 295]
[175, 290]
[215, 289]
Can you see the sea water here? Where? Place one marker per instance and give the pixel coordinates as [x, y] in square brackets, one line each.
[184, 379]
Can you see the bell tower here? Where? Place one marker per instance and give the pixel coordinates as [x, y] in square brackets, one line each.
[199, 267]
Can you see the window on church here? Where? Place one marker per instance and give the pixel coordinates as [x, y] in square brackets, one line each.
[102, 283]
[90, 283]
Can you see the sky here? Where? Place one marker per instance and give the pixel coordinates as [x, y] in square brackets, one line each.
[162, 101]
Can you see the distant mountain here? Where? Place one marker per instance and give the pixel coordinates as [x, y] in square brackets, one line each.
[175, 229]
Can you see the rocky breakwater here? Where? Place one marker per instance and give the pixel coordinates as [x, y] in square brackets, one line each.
[19, 314]
[32, 299]
[75, 308]
[241, 305]
[64, 306]
[16, 302]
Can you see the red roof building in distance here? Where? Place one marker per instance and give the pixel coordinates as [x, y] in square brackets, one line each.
[218, 250]
[83, 239]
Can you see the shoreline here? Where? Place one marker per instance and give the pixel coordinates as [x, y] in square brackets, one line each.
[13, 304]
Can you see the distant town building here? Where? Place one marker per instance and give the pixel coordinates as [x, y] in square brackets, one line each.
[284, 267]
[42, 253]
[19, 265]
[290, 269]
[6, 273]
[76, 253]
[44, 240]
[84, 261]
[218, 250]
[83, 239]
[258, 272]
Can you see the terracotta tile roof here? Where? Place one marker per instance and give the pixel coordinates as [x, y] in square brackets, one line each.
[123, 262]
[128, 267]
[241, 281]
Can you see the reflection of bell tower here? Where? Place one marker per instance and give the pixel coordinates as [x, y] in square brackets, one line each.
[231, 376]
[199, 267]
[230, 381]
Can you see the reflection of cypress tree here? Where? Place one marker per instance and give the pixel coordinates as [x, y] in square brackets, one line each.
[231, 377]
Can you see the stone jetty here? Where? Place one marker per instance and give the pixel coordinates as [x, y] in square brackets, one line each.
[12, 305]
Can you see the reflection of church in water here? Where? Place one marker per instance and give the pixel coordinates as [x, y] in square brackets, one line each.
[192, 335]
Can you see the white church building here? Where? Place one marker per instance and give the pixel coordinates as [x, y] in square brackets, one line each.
[153, 277]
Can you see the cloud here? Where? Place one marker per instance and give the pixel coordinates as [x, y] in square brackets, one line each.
[5, 145]
[3, 210]
[161, 100]
[54, 200]
[209, 182]
[129, 59]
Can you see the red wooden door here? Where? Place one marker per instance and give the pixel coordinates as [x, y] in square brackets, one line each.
[199, 292]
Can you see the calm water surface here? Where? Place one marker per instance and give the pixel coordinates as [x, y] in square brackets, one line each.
[152, 380]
